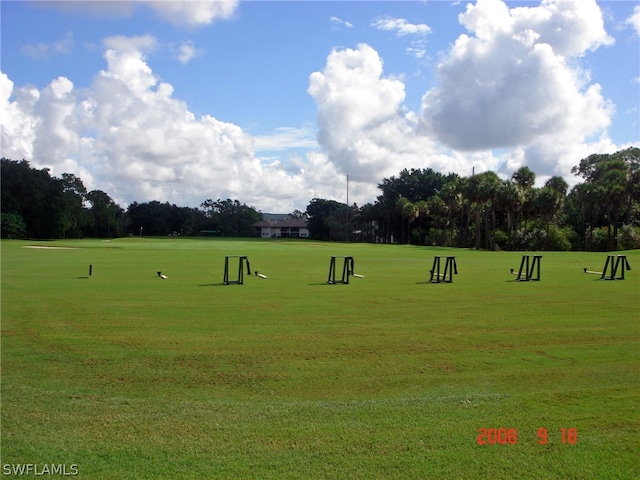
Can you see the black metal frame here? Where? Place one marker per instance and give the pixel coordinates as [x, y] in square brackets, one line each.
[529, 268]
[347, 270]
[241, 260]
[620, 261]
[450, 268]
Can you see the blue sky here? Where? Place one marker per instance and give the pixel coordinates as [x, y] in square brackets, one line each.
[275, 103]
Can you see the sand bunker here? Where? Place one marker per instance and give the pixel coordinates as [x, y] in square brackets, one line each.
[48, 248]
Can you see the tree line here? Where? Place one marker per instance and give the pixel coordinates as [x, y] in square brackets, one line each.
[38, 205]
[418, 206]
[424, 207]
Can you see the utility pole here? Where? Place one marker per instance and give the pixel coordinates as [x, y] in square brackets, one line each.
[346, 233]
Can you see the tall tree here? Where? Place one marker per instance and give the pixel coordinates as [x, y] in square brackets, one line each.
[324, 218]
[34, 196]
[464, 238]
[510, 198]
[631, 156]
[153, 218]
[489, 190]
[451, 194]
[438, 210]
[231, 218]
[367, 222]
[586, 196]
[423, 218]
[614, 177]
[558, 184]
[483, 192]
[74, 217]
[524, 177]
[548, 203]
[413, 185]
[408, 211]
[105, 214]
[297, 214]
[473, 194]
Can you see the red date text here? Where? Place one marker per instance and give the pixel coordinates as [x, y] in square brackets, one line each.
[500, 436]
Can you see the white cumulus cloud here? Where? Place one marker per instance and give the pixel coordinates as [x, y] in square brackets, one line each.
[634, 19]
[17, 120]
[185, 52]
[362, 123]
[180, 13]
[127, 134]
[510, 92]
[338, 22]
[193, 13]
[358, 111]
[511, 82]
[401, 26]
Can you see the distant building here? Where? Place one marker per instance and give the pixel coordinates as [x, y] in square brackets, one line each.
[282, 228]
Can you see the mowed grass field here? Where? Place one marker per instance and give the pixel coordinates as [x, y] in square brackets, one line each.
[128, 376]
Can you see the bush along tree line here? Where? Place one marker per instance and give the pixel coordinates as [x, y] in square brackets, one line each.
[419, 206]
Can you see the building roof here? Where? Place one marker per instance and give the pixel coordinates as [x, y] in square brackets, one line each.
[286, 223]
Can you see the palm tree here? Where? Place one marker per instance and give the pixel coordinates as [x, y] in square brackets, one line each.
[558, 184]
[614, 188]
[510, 198]
[440, 214]
[473, 194]
[548, 203]
[482, 190]
[452, 197]
[423, 213]
[524, 177]
[529, 206]
[589, 196]
[409, 211]
[611, 174]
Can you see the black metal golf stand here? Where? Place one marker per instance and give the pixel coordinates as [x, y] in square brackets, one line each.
[450, 268]
[613, 262]
[526, 271]
[347, 270]
[242, 259]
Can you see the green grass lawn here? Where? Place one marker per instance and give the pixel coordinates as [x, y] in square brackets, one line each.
[128, 376]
